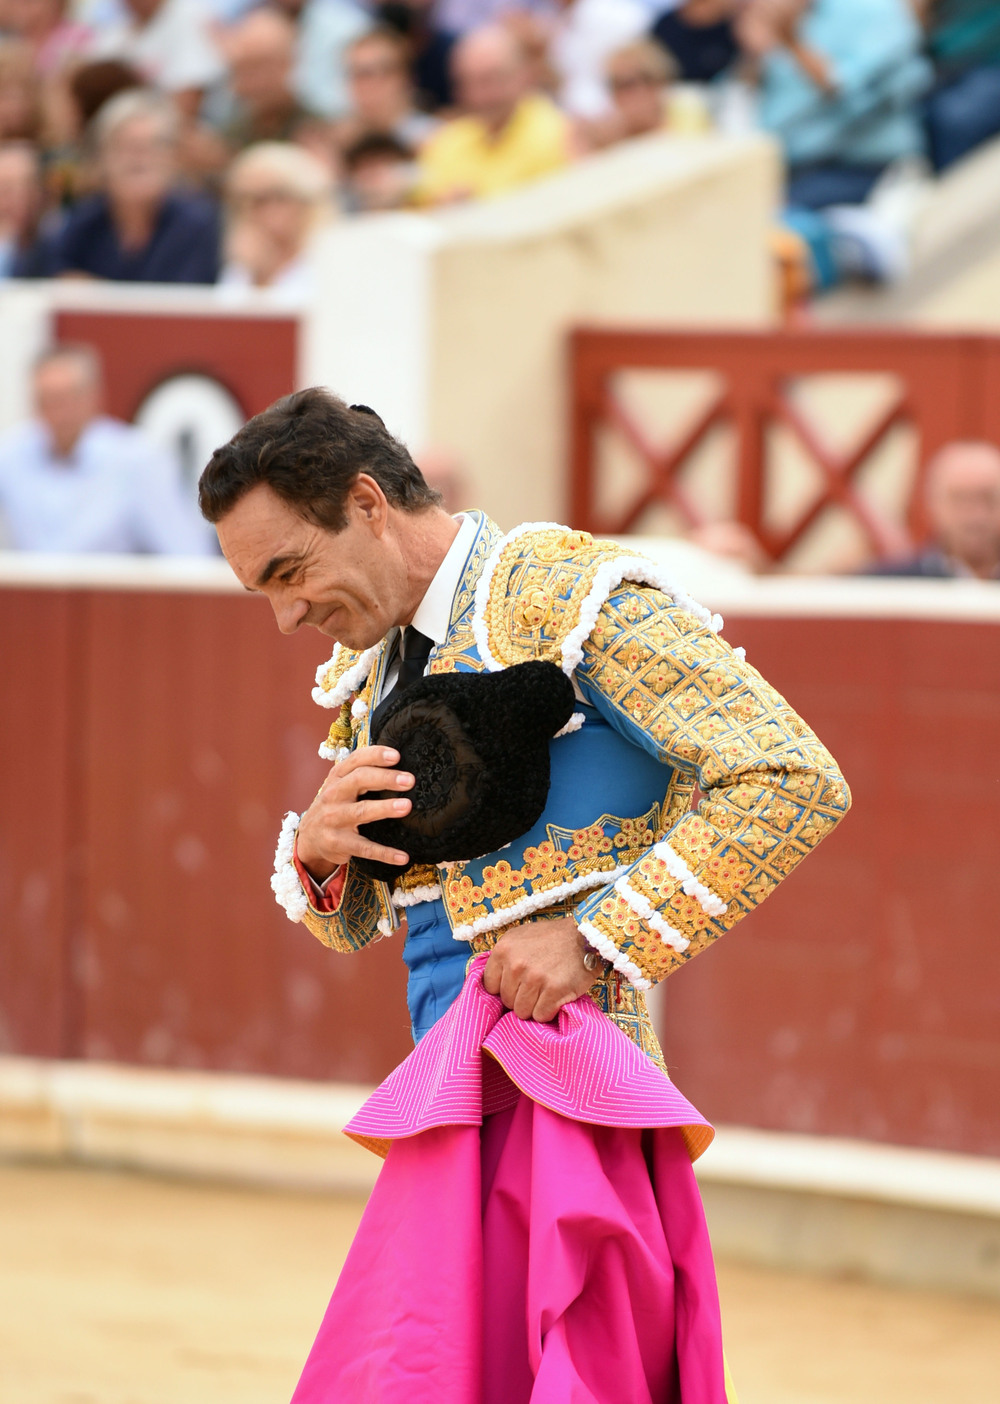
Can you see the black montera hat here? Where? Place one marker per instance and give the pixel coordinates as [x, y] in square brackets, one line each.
[477, 745]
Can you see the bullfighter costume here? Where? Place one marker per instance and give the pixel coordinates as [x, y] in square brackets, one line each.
[536, 1233]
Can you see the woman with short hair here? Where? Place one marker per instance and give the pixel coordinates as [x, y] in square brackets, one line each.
[277, 196]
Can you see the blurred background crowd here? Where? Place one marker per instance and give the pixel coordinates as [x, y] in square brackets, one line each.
[203, 141]
[209, 141]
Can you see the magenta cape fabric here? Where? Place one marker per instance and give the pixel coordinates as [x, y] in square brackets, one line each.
[536, 1234]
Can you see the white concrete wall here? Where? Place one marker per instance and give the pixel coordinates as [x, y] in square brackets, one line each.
[472, 305]
[453, 324]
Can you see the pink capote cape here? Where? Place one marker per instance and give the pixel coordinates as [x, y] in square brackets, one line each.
[536, 1235]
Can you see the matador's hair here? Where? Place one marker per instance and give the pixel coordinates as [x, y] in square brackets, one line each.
[309, 448]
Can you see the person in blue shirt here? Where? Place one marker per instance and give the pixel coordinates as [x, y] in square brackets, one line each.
[841, 82]
[141, 227]
[74, 479]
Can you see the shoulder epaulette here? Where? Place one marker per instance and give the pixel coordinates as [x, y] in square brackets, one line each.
[543, 587]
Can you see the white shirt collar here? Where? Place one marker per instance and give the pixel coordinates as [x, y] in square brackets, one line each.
[433, 614]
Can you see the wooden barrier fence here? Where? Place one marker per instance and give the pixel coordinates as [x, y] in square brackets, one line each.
[945, 387]
[153, 738]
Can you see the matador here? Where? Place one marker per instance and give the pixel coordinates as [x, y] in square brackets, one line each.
[535, 1235]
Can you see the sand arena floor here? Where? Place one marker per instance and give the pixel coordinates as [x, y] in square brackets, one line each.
[121, 1289]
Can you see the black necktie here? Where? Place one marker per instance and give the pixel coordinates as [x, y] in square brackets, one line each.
[414, 650]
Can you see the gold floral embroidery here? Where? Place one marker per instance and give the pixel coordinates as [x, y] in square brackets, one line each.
[544, 865]
[420, 875]
[464, 900]
[564, 856]
[535, 609]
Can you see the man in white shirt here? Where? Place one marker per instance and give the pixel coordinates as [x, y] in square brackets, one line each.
[73, 479]
[505, 1250]
[171, 44]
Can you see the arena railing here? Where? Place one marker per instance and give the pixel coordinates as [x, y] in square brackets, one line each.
[935, 388]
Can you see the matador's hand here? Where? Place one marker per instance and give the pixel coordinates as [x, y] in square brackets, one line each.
[328, 831]
[537, 968]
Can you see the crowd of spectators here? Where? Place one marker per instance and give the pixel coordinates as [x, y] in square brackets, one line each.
[204, 141]
[207, 141]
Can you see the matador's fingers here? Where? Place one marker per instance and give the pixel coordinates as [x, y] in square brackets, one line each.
[366, 778]
[359, 847]
[367, 811]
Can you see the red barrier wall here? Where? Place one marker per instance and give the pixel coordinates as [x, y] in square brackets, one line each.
[153, 740]
[864, 998]
[253, 357]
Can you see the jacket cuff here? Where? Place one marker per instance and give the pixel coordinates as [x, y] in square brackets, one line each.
[323, 897]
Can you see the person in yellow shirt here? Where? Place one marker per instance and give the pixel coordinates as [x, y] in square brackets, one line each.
[507, 135]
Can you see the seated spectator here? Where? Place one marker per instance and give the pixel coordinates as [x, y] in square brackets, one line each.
[139, 227]
[70, 172]
[73, 479]
[840, 80]
[277, 196]
[963, 507]
[963, 39]
[699, 36]
[645, 99]
[20, 209]
[506, 136]
[258, 102]
[43, 25]
[380, 174]
[323, 30]
[381, 92]
[638, 78]
[430, 46]
[22, 116]
[170, 43]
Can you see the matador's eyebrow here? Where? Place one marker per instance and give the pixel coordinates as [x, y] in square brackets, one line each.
[275, 563]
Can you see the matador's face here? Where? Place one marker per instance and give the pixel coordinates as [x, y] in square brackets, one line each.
[350, 584]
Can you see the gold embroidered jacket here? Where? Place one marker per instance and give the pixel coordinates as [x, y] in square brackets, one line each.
[665, 704]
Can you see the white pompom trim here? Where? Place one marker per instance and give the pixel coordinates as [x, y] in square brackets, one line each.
[608, 576]
[574, 724]
[285, 882]
[614, 956]
[711, 904]
[428, 892]
[352, 681]
[535, 902]
[644, 909]
[333, 753]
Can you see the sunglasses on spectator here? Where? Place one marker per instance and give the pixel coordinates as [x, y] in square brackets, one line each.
[623, 82]
[385, 69]
[256, 199]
